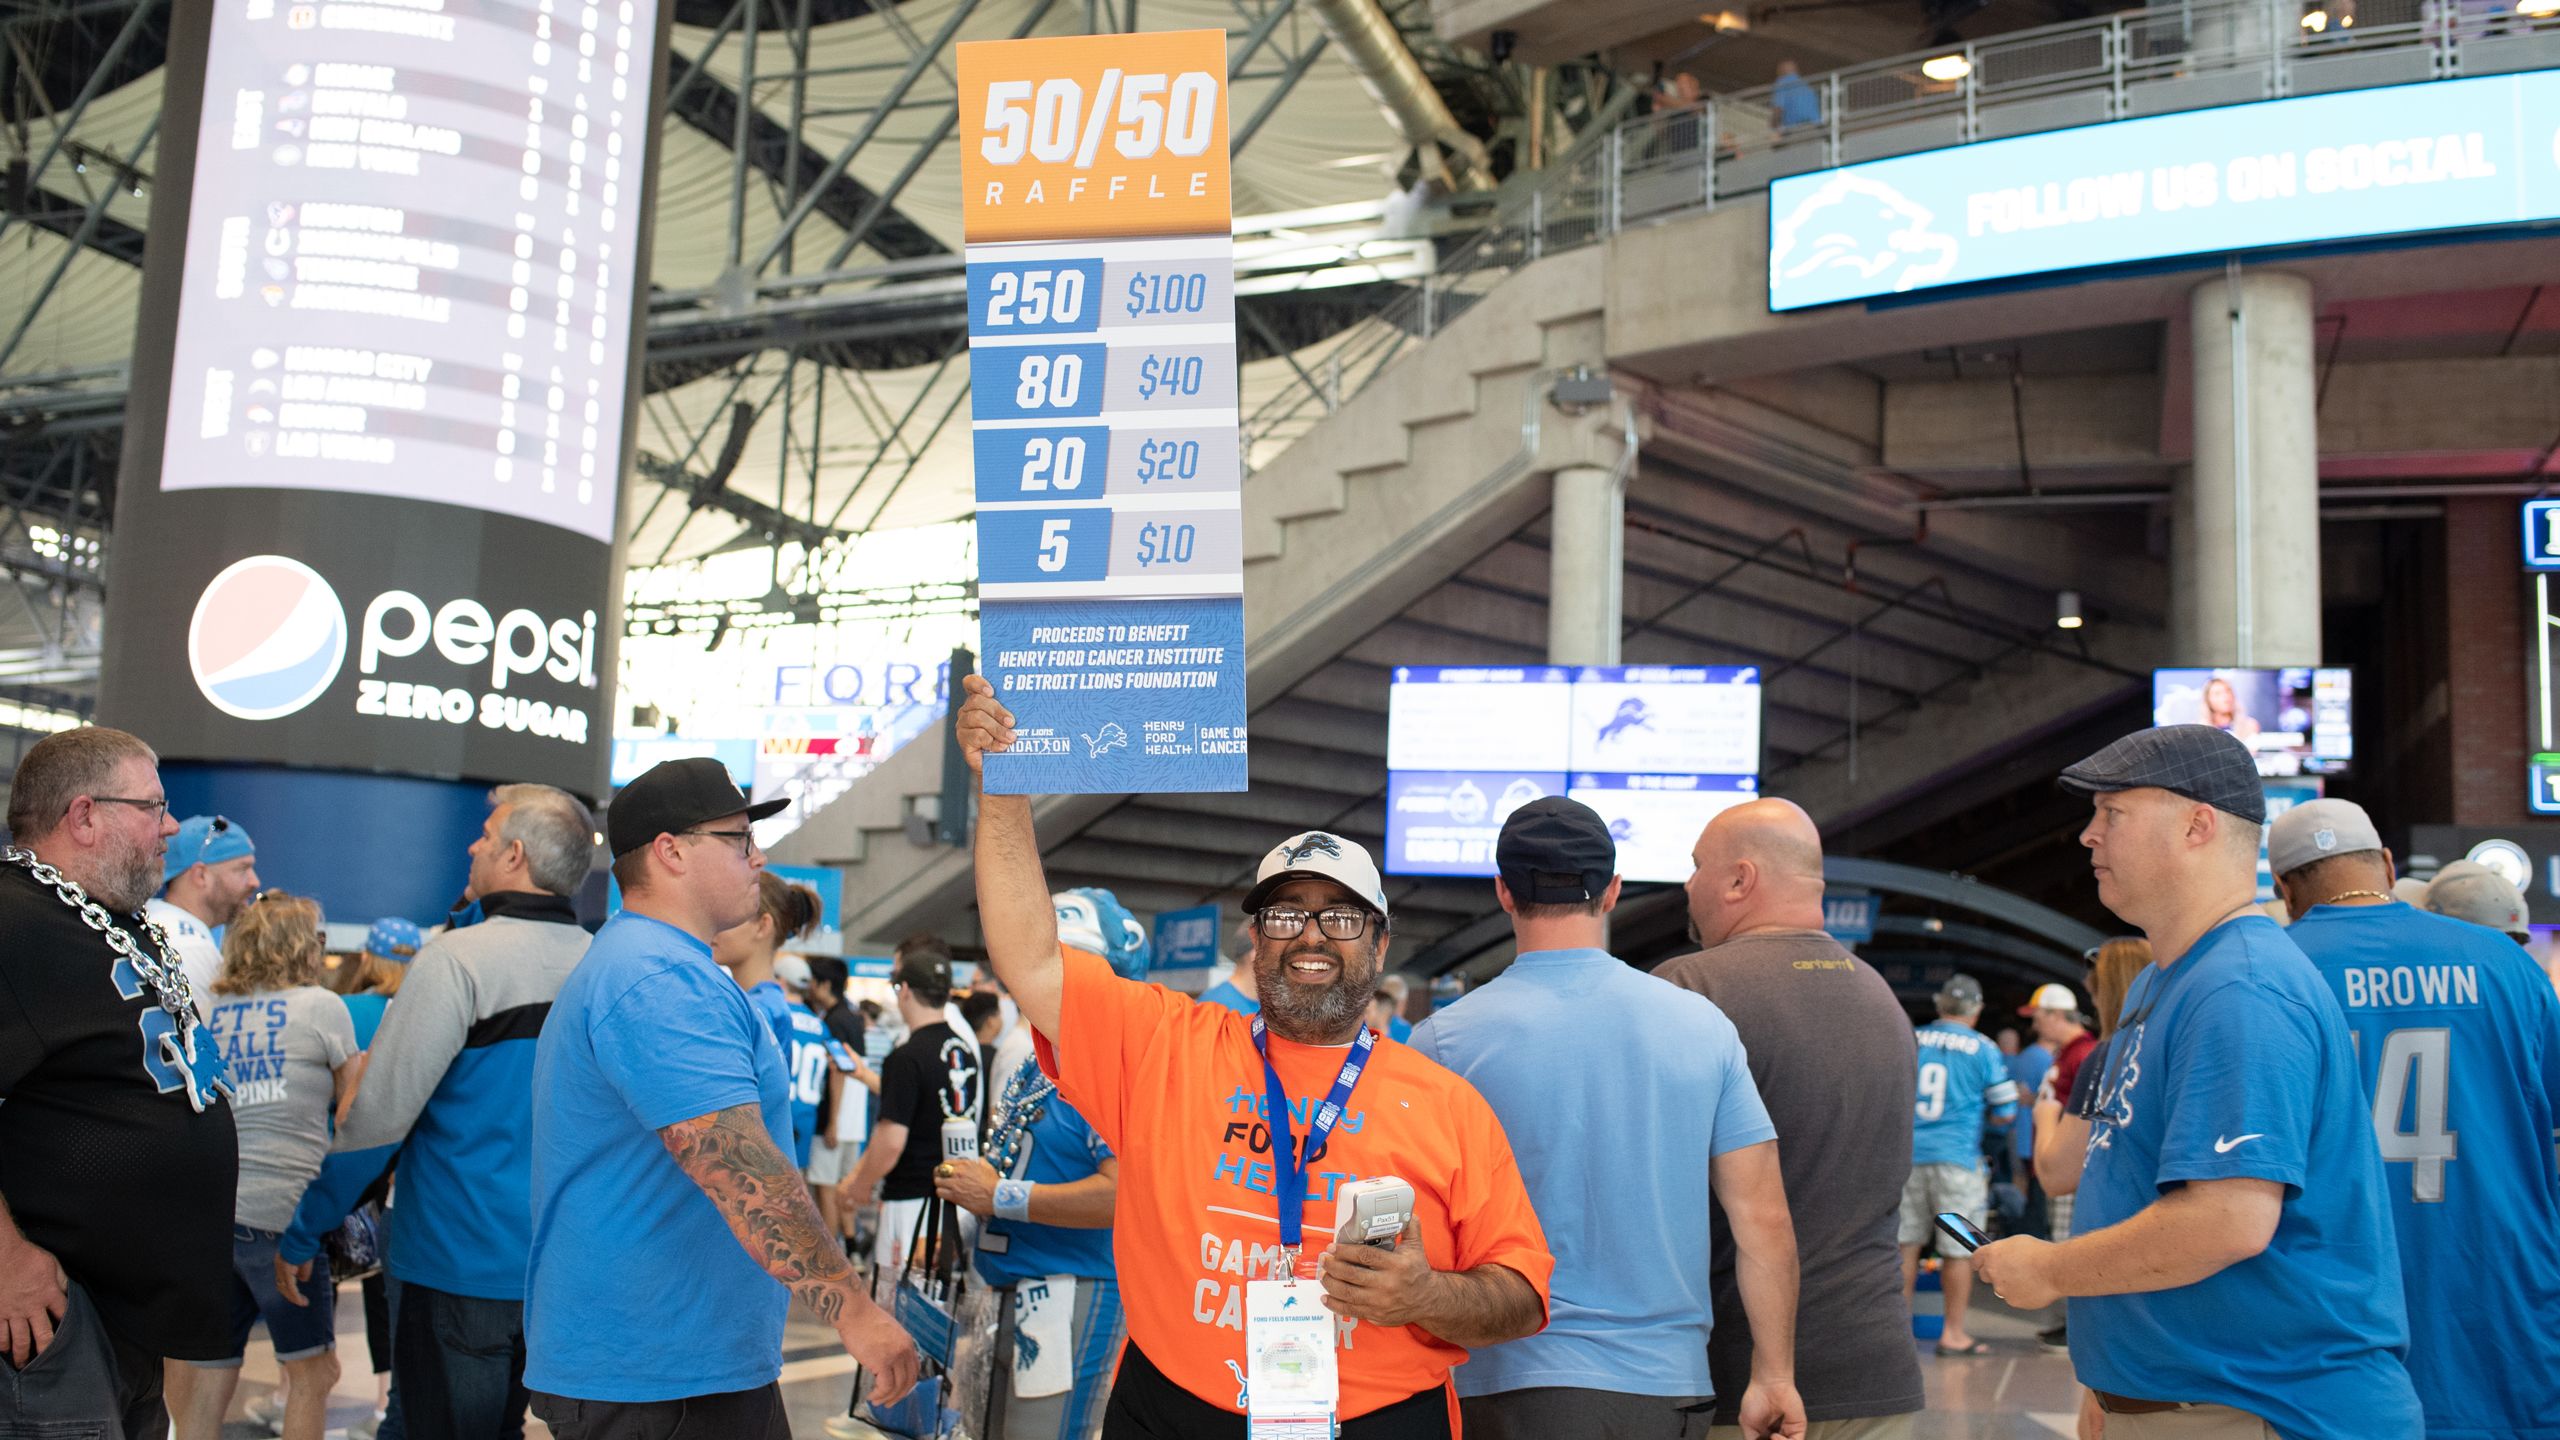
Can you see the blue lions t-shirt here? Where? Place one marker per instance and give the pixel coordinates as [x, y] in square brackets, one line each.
[809, 1054]
[1057, 1148]
[1963, 1076]
[2235, 1063]
[2458, 1042]
[636, 1290]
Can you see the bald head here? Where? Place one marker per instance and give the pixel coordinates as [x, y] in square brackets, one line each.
[1759, 866]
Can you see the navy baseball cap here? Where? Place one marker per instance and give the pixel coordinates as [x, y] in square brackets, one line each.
[1555, 851]
[2204, 764]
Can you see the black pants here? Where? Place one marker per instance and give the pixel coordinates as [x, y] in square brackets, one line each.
[458, 1363]
[738, 1415]
[1145, 1405]
[1545, 1411]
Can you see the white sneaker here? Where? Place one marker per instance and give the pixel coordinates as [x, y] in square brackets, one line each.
[368, 1427]
[845, 1427]
[266, 1412]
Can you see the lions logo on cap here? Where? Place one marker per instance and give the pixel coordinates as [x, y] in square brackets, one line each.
[1317, 844]
[2325, 839]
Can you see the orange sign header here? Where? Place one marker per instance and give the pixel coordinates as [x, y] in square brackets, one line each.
[1094, 136]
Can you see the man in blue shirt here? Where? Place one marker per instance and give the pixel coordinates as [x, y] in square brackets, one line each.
[1044, 1189]
[667, 1215]
[2232, 1241]
[2458, 1042]
[1962, 1080]
[1624, 1092]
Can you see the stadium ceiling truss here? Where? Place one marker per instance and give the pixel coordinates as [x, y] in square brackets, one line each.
[801, 317]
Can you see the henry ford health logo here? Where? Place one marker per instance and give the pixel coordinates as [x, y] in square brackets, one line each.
[267, 638]
[1855, 223]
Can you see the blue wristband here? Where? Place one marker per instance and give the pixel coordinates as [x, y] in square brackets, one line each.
[1013, 1200]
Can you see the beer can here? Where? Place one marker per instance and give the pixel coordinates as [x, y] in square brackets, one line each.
[959, 1138]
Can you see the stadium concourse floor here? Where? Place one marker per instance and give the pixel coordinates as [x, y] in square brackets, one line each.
[2018, 1392]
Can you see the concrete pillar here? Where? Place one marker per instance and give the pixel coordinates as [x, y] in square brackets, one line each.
[2245, 517]
[1586, 571]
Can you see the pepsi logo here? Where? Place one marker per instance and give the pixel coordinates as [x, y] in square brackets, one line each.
[267, 638]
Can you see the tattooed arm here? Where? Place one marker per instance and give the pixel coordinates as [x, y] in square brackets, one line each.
[733, 1158]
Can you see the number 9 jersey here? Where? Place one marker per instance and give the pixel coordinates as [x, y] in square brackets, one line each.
[2457, 1035]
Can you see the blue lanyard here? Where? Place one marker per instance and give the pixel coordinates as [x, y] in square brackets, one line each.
[1288, 1164]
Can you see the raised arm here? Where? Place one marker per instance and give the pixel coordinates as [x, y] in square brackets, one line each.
[1015, 917]
[732, 1157]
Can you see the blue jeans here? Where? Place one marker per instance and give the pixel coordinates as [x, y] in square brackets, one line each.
[299, 1331]
[457, 1364]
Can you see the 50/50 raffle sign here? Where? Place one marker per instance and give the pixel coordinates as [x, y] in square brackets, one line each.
[1102, 354]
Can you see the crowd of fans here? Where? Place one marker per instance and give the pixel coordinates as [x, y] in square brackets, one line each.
[2294, 1181]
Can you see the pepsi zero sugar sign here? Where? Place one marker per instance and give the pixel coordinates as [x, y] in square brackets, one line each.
[2406, 160]
[1656, 750]
[1102, 355]
[379, 418]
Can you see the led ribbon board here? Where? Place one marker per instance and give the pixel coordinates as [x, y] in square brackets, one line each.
[1102, 354]
[2405, 160]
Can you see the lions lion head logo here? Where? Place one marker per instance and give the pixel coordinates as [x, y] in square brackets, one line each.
[1856, 223]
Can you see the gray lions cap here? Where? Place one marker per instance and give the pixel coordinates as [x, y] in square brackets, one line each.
[2315, 830]
[2198, 761]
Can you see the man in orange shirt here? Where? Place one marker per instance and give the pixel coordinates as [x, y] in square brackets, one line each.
[1206, 1203]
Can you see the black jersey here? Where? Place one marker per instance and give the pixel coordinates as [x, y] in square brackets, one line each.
[103, 1160]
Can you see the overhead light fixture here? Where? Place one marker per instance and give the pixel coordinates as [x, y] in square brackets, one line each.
[2315, 19]
[2538, 9]
[1726, 22]
[2066, 611]
[1947, 69]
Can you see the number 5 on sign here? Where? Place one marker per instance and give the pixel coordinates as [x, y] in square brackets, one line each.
[1094, 135]
[1019, 546]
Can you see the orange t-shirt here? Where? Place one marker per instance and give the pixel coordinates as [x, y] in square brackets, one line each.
[1177, 1091]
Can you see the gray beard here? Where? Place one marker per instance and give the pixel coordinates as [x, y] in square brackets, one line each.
[124, 883]
[1315, 1017]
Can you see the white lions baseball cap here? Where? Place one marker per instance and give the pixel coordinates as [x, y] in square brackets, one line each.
[2315, 830]
[1323, 856]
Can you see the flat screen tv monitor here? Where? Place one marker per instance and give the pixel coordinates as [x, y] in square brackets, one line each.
[2297, 720]
[1657, 750]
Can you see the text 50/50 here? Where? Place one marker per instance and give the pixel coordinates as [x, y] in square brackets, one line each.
[1050, 122]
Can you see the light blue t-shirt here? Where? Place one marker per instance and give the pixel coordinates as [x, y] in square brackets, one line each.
[2458, 1040]
[636, 1290]
[367, 1012]
[1225, 993]
[1963, 1077]
[2027, 1069]
[2235, 1062]
[1056, 1148]
[810, 1055]
[1616, 1089]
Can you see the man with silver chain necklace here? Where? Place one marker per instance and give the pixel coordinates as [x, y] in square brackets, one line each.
[1044, 1192]
[118, 1157]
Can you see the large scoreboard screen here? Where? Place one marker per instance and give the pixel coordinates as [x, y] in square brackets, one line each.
[1657, 750]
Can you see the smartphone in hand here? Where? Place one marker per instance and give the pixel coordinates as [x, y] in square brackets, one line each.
[1964, 1232]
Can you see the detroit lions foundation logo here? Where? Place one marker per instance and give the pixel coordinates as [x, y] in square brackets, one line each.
[1863, 225]
[1105, 740]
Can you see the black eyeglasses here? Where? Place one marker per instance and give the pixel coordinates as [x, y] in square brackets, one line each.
[1342, 922]
[746, 838]
[154, 808]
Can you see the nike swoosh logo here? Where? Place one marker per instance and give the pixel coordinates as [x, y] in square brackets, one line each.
[2225, 1147]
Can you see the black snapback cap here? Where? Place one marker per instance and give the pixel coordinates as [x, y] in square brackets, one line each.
[674, 796]
[1555, 851]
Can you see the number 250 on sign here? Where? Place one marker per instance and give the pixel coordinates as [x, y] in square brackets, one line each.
[1049, 122]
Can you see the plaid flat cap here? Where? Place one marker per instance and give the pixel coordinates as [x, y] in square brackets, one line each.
[2197, 761]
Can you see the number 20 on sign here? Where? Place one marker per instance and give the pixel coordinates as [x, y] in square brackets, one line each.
[1116, 135]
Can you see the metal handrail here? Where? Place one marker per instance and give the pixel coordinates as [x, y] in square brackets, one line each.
[2166, 58]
